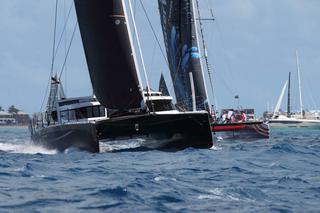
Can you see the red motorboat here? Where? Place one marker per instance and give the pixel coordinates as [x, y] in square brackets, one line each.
[240, 124]
[246, 130]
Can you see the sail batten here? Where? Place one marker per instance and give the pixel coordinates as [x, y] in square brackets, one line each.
[180, 36]
[109, 53]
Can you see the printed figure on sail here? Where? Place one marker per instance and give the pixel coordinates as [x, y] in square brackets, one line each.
[179, 29]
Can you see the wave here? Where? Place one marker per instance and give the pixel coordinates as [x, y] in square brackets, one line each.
[285, 148]
[292, 180]
[235, 194]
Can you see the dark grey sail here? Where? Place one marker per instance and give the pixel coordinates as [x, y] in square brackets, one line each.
[163, 86]
[109, 53]
[178, 24]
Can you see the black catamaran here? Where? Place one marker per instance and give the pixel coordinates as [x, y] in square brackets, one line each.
[120, 109]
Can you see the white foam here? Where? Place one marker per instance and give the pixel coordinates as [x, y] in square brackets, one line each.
[216, 148]
[218, 194]
[161, 178]
[219, 138]
[120, 145]
[25, 149]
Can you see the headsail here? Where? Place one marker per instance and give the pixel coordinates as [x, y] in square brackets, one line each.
[109, 53]
[163, 86]
[179, 29]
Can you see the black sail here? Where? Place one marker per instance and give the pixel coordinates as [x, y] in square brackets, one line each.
[179, 29]
[163, 86]
[109, 53]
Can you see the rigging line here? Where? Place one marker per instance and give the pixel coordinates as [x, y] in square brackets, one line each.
[205, 50]
[135, 9]
[45, 94]
[153, 55]
[63, 30]
[154, 32]
[68, 51]
[310, 93]
[227, 59]
[135, 31]
[53, 55]
[225, 84]
[54, 37]
[66, 18]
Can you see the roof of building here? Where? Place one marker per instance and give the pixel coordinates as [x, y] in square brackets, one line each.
[5, 113]
[22, 113]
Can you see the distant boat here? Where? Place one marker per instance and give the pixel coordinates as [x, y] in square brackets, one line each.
[245, 128]
[289, 119]
[180, 23]
[120, 109]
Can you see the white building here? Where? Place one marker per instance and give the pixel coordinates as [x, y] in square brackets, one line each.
[6, 118]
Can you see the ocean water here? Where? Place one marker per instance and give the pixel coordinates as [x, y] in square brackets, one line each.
[281, 174]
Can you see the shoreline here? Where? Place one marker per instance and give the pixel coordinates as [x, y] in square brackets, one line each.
[14, 126]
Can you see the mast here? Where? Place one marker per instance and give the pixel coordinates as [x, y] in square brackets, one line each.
[132, 46]
[139, 46]
[194, 6]
[193, 94]
[53, 87]
[289, 101]
[299, 83]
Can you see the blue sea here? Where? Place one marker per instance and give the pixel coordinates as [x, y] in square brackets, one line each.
[281, 174]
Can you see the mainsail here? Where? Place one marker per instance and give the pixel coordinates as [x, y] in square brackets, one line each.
[179, 29]
[109, 53]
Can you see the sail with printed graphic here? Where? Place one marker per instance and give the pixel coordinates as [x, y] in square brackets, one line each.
[179, 30]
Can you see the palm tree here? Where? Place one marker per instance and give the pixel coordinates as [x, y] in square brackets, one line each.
[13, 109]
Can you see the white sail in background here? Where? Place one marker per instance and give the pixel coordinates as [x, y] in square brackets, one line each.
[276, 110]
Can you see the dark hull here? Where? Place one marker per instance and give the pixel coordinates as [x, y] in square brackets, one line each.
[161, 131]
[247, 131]
[62, 137]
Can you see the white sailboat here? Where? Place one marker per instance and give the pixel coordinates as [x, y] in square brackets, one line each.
[296, 120]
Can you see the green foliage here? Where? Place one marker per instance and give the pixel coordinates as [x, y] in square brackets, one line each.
[1, 109]
[13, 109]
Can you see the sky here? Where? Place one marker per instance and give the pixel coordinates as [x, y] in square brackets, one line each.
[251, 48]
